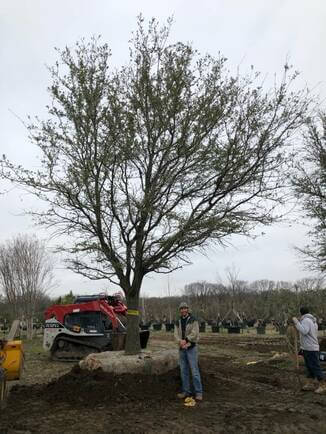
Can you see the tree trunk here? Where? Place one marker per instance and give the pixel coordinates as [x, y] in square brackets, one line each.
[29, 328]
[132, 339]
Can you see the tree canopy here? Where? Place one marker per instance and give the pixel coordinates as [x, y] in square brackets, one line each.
[310, 186]
[144, 164]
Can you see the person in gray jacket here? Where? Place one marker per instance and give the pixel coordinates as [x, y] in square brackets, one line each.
[186, 334]
[308, 329]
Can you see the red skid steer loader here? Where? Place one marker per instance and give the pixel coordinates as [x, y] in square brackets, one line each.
[92, 324]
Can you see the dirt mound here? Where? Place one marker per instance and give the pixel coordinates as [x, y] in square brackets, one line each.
[83, 388]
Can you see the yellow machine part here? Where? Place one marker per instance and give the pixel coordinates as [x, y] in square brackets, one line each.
[11, 359]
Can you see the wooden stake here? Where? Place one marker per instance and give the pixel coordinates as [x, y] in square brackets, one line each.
[296, 349]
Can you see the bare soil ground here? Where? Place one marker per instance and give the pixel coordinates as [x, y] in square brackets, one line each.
[261, 397]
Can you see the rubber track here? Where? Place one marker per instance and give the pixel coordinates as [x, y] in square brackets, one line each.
[71, 357]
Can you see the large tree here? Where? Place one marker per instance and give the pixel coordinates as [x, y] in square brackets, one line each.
[144, 164]
[310, 186]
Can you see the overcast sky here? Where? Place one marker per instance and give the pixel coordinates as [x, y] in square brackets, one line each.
[252, 32]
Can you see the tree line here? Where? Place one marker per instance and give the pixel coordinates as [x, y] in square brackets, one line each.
[260, 299]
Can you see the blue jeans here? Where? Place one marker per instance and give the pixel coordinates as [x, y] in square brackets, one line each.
[189, 365]
[311, 359]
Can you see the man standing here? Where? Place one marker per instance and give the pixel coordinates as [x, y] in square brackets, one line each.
[308, 329]
[186, 333]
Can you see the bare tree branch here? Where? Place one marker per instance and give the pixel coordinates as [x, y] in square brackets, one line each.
[25, 275]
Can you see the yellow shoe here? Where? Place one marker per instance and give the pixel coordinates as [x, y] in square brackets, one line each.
[190, 402]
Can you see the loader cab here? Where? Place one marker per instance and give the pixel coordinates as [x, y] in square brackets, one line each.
[88, 322]
[107, 323]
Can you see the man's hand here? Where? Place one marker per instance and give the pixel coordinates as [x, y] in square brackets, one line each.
[294, 319]
[183, 344]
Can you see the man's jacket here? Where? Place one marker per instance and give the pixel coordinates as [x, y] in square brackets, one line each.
[191, 332]
[308, 329]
